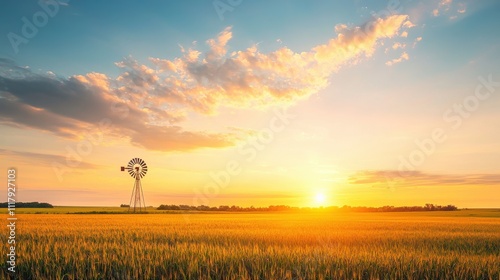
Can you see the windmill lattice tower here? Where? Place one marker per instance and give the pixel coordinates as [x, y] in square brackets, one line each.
[137, 168]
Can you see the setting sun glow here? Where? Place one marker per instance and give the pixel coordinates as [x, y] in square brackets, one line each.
[320, 198]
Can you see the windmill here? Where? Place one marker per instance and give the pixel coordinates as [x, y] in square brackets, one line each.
[137, 168]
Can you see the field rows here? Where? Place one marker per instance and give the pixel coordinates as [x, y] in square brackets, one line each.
[257, 246]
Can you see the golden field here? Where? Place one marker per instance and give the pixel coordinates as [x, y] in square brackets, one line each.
[318, 245]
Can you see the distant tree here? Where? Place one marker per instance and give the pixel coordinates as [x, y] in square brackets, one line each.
[28, 205]
[124, 205]
[449, 208]
[203, 208]
[168, 207]
[430, 207]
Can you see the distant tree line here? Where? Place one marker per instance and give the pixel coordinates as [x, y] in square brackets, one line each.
[233, 208]
[345, 208]
[28, 205]
[427, 207]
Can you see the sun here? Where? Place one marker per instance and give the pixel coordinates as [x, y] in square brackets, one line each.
[320, 198]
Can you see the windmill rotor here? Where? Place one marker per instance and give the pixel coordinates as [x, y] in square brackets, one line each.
[137, 167]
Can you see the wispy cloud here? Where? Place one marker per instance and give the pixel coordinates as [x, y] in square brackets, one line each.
[387, 178]
[462, 8]
[404, 56]
[450, 9]
[158, 96]
[40, 158]
[398, 45]
[444, 5]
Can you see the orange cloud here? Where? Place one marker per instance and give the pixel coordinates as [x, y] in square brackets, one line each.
[249, 78]
[398, 45]
[393, 178]
[404, 56]
[174, 138]
[98, 80]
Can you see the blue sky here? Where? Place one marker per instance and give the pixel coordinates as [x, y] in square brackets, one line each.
[198, 85]
[86, 32]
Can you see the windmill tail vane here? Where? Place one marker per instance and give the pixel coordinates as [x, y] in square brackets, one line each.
[137, 168]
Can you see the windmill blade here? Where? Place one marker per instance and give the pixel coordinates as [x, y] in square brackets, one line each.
[144, 167]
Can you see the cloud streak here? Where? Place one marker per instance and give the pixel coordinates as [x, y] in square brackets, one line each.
[41, 158]
[393, 178]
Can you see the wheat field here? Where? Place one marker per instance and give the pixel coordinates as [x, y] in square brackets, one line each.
[259, 246]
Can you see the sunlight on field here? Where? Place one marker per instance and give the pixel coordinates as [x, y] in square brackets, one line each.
[258, 246]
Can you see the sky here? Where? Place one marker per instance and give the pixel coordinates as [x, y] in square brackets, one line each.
[252, 103]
